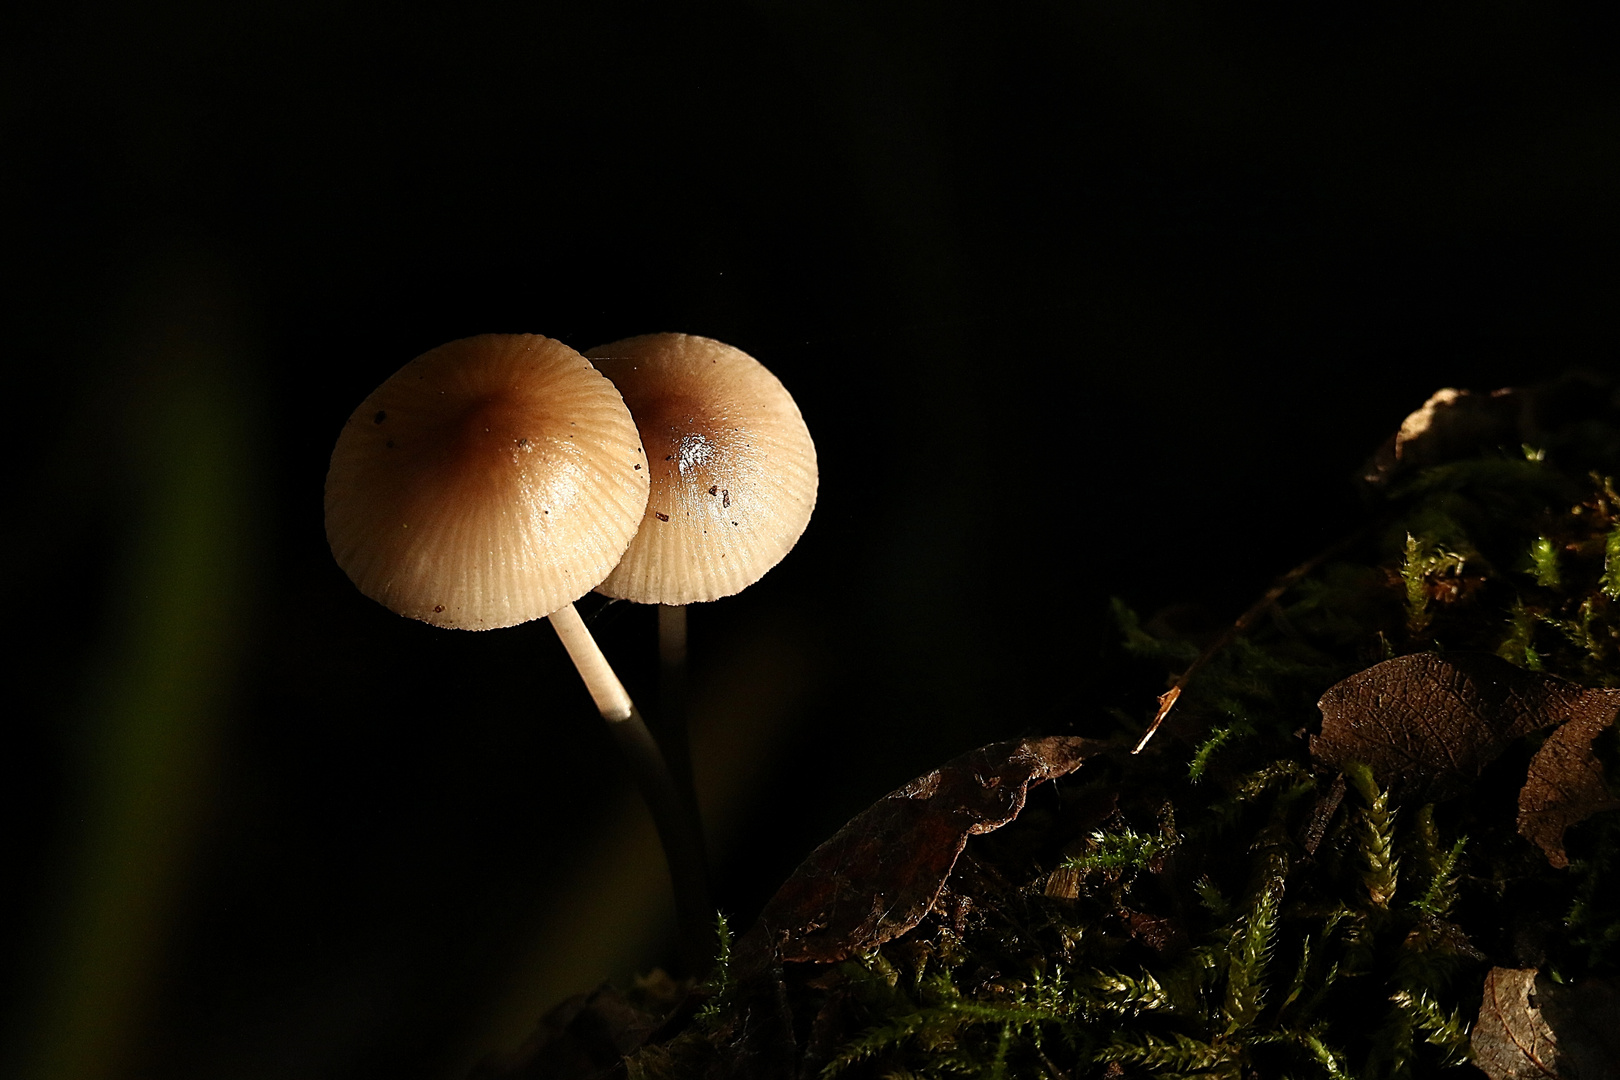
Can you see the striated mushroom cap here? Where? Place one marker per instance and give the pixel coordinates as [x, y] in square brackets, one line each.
[733, 468]
[488, 482]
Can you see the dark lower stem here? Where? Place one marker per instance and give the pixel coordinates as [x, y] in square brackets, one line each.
[680, 829]
[680, 834]
[672, 723]
[672, 658]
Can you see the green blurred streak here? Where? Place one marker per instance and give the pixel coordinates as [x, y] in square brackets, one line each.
[154, 706]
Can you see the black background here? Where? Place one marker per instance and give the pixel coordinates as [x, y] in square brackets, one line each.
[1078, 300]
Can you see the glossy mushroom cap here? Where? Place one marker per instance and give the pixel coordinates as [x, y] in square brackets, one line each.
[490, 481]
[733, 468]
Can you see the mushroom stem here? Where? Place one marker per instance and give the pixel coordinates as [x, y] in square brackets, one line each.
[672, 733]
[679, 826]
[672, 647]
[612, 699]
[681, 838]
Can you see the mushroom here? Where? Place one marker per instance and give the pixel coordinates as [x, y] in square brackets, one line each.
[490, 481]
[495, 480]
[733, 468]
[733, 483]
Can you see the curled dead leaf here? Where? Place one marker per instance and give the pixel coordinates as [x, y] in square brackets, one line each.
[1565, 785]
[1426, 724]
[880, 874]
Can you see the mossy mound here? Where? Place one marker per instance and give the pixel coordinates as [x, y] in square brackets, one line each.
[1226, 902]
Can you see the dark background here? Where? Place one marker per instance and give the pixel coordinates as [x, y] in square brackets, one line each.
[1078, 299]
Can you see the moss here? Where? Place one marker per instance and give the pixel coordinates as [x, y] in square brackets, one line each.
[1241, 912]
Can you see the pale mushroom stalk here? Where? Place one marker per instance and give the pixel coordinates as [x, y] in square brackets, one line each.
[678, 829]
[611, 698]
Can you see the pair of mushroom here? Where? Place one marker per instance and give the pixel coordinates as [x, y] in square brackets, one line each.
[499, 478]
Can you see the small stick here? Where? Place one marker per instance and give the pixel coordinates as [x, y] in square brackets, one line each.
[676, 821]
[1167, 700]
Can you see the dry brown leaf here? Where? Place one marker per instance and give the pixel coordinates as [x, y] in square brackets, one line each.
[1530, 1028]
[1452, 424]
[1511, 1040]
[1423, 723]
[881, 873]
[1565, 785]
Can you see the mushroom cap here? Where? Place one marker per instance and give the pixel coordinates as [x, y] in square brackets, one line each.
[733, 468]
[488, 482]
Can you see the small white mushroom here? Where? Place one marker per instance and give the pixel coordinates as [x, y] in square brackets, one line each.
[733, 468]
[495, 480]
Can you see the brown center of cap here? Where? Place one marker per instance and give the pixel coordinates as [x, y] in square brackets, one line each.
[488, 482]
[733, 468]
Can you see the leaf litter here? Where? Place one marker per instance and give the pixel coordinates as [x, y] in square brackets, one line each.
[1430, 725]
[1378, 841]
